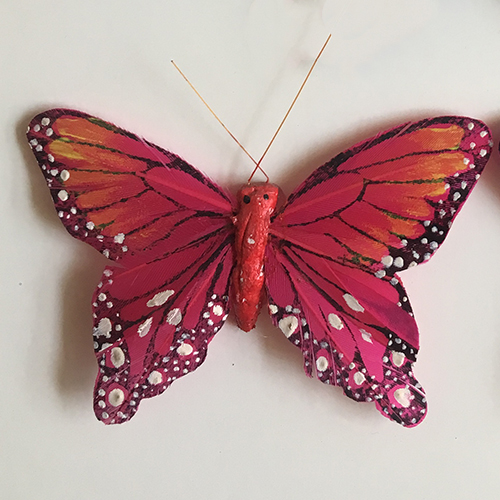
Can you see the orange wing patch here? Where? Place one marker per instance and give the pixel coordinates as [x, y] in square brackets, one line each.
[381, 226]
[93, 157]
[418, 168]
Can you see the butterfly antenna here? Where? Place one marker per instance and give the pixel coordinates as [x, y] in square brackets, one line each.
[289, 109]
[257, 166]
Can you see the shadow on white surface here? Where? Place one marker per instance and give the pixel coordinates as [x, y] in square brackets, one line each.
[76, 366]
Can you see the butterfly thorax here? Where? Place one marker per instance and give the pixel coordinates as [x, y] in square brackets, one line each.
[256, 204]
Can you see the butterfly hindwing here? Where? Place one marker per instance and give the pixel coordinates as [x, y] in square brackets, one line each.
[153, 323]
[351, 327]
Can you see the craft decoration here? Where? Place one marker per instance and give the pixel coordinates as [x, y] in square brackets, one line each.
[183, 249]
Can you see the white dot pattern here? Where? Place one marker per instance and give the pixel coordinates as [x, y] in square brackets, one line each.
[123, 387]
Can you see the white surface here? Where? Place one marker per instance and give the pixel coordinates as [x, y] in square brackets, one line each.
[248, 424]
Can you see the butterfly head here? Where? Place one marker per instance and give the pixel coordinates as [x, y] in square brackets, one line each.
[260, 197]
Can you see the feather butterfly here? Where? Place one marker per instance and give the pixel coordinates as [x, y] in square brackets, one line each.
[184, 251]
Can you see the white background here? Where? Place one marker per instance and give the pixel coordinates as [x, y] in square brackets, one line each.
[248, 424]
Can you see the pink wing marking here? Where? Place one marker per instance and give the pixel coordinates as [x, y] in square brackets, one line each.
[153, 323]
[338, 317]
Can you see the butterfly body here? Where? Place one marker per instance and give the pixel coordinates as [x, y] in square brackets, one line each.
[328, 258]
[256, 203]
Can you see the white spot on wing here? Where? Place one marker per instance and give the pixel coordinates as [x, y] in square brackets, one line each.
[144, 328]
[63, 195]
[184, 349]
[155, 378]
[359, 378]
[119, 238]
[288, 325]
[398, 358]
[335, 321]
[103, 328]
[353, 303]
[273, 309]
[403, 397]
[399, 262]
[218, 310]
[387, 260]
[117, 357]
[321, 364]
[116, 397]
[367, 337]
[160, 298]
[174, 317]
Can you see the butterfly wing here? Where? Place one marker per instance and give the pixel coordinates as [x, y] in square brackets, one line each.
[168, 227]
[128, 198]
[153, 323]
[387, 203]
[349, 328]
[380, 207]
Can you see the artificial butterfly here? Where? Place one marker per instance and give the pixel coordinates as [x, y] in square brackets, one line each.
[330, 263]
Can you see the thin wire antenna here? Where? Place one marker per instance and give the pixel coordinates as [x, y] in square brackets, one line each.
[257, 166]
[289, 110]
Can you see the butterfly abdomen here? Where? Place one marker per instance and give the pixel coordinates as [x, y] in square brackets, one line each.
[256, 205]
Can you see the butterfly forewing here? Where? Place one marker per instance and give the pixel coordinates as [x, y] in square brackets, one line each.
[128, 198]
[387, 203]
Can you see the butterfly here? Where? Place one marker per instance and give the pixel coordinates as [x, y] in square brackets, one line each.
[184, 251]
